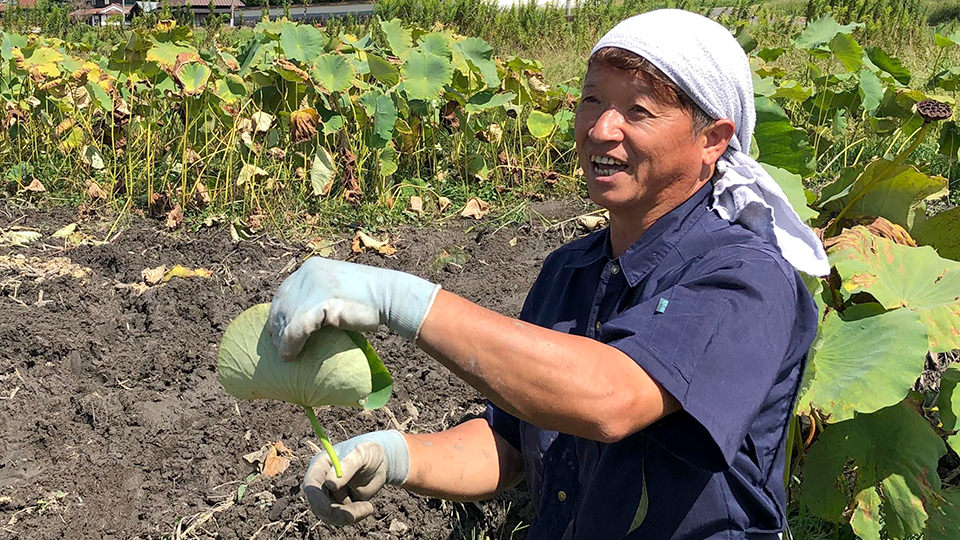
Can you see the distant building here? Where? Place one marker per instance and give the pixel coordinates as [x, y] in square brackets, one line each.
[10, 4]
[104, 13]
[199, 8]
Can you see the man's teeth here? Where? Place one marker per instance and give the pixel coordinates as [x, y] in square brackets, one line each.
[601, 170]
[605, 160]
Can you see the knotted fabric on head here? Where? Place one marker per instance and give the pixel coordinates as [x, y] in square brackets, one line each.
[706, 62]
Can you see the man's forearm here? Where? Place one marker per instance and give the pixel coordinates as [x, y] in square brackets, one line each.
[558, 381]
[464, 463]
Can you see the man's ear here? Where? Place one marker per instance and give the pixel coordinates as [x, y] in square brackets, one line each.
[715, 138]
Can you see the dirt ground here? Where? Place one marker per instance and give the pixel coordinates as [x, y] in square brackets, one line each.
[113, 423]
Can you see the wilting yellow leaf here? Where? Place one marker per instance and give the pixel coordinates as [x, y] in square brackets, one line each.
[249, 172]
[444, 203]
[475, 208]
[364, 242]
[184, 272]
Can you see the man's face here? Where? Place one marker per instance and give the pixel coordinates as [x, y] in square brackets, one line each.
[637, 152]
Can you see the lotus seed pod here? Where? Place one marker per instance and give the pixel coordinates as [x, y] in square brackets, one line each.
[932, 110]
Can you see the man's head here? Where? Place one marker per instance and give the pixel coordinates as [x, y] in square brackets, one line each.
[644, 145]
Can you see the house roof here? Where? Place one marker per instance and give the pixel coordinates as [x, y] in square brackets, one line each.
[111, 9]
[22, 3]
[205, 3]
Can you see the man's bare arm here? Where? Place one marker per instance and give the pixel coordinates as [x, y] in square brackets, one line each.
[464, 463]
[553, 380]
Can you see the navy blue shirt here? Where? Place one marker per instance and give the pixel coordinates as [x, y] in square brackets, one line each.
[715, 315]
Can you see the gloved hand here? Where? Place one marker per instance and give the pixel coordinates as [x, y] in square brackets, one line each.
[327, 292]
[367, 461]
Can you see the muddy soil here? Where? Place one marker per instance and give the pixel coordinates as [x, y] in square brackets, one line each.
[113, 423]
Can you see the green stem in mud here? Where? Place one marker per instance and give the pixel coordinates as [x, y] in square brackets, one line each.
[324, 440]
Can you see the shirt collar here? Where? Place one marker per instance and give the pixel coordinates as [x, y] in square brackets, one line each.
[647, 252]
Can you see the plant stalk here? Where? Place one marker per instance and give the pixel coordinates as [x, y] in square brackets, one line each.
[882, 175]
[324, 440]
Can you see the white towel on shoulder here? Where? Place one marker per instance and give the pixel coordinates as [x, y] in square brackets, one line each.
[708, 64]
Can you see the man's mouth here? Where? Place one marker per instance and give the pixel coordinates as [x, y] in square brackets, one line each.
[606, 165]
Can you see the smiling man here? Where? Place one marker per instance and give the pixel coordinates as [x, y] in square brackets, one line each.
[646, 388]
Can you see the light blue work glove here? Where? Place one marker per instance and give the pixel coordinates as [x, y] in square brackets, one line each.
[327, 292]
[368, 462]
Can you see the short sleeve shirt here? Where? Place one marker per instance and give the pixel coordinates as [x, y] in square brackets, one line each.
[716, 316]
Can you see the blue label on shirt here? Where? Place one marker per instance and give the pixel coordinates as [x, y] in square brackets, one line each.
[662, 305]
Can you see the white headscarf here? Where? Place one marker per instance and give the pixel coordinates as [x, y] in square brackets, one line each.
[706, 62]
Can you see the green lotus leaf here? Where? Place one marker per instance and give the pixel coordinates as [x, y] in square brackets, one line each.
[383, 113]
[821, 31]
[230, 88]
[540, 124]
[888, 63]
[100, 95]
[425, 75]
[479, 55]
[898, 276]
[848, 51]
[793, 90]
[948, 79]
[8, 42]
[488, 99]
[382, 70]
[871, 90]
[437, 43]
[941, 232]
[944, 520]
[193, 77]
[781, 144]
[301, 42]
[335, 367]
[844, 377]
[388, 161]
[334, 72]
[950, 140]
[895, 454]
[399, 39]
[893, 192]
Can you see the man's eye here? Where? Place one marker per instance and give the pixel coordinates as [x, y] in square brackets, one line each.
[639, 110]
[588, 99]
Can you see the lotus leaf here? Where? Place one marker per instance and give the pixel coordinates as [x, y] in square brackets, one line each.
[915, 278]
[844, 377]
[425, 75]
[334, 72]
[895, 453]
[398, 38]
[540, 124]
[335, 367]
[301, 42]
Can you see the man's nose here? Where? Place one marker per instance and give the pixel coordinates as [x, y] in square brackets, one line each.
[608, 126]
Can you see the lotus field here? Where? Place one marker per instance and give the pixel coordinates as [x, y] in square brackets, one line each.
[422, 124]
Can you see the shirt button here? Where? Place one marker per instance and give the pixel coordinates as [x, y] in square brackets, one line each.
[615, 269]
[599, 324]
[561, 495]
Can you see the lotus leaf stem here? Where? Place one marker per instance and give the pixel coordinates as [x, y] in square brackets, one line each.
[324, 440]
